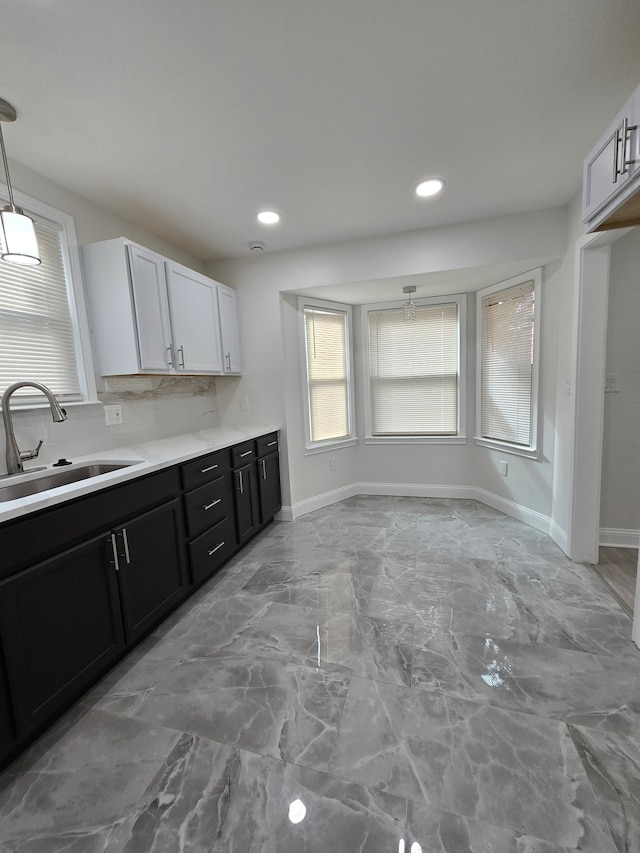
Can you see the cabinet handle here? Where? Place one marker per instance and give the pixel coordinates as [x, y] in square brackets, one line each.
[208, 506]
[264, 470]
[228, 358]
[271, 443]
[241, 483]
[181, 351]
[616, 145]
[246, 453]
[170, 357]
[126, 545]
[210, 468]
[217, 548]
[115, 551]
[626, 137]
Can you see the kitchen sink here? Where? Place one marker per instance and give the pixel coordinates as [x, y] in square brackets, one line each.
[23, 487]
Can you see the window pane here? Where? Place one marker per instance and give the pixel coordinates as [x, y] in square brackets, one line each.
[507, 364]
[414, 371]
[35, 322]
[327, 373]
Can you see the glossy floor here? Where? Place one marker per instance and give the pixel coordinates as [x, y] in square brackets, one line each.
[386, 674]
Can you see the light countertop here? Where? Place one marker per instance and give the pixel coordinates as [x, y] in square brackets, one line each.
[146, 457]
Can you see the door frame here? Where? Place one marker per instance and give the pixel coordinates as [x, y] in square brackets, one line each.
[588, 368]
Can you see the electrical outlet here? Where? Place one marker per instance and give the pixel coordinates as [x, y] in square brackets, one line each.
[112, 415]
[503, 467]
[610, 383]
[244, 404]
[332, 463]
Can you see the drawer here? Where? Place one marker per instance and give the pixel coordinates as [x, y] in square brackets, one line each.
[267, 444]
[210, 550]
[243, 453]
[207, 505]
[205, 469]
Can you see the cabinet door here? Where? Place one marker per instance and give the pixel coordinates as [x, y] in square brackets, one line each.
[194, 320]
[61, 628]
[152, 310]
[151, 568]
[228, 308]
[613, 163]
[8, 733]
[269, 486]
[245, 494]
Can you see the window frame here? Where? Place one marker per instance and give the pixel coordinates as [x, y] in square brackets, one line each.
[63, 222]
[460, 438]
[312, 447]
[532, 450]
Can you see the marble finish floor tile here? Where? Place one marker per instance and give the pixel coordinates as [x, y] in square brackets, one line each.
[513, 770]
[382, 673]
[277, 709]
[591, 690]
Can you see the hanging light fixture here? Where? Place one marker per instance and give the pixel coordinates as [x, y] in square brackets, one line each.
[19, 241]
[410, 305]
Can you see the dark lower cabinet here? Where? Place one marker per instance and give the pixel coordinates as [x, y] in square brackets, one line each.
[269, 486]
[83, 582]
[246, 501]
[151, 569]
[61, 627]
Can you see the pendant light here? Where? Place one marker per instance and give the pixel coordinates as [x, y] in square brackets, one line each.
[410, 306]
[19, 241]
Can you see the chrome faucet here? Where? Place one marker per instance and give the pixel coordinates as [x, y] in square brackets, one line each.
[14, 455]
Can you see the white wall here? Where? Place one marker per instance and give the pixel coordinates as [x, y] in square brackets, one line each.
[270, 348]
[620, 492]
[152, 408]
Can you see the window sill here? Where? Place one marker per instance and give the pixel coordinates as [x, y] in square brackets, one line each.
[415, 439]
[330, 445]
[505, 447]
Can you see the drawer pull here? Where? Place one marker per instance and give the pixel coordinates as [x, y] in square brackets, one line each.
[210, 468]
[246, 453]
[213, 550]
[271, 443]
[208, 506]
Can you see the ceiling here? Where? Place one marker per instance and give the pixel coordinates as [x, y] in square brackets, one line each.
[188, 118]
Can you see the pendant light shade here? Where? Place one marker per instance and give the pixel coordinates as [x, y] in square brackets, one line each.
[19, 241]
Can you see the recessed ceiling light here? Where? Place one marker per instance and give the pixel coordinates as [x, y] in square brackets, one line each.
[430, 187]
[268, 217]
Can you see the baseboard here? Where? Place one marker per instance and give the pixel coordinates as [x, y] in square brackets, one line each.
[521, 513]
[285, 514]
[614, 537]
[559, 536]
[415, 490]
[419, 490]
[320, 501]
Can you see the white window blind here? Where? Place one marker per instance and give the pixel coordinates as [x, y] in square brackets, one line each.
[327, 357]
[414, 371]
[507, 363]
[36, 329]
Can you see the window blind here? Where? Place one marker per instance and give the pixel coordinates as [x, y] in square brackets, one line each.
[508, 318]
[414, 371]
[35, 322]
[327, 373]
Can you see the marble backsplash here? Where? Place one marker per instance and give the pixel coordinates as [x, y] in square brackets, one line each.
[152, 407]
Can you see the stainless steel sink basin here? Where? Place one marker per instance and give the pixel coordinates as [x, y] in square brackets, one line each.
[53, 479]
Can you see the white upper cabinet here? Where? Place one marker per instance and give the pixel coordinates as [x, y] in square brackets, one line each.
[195, 321]
[611, 176]
[228, 309]
[151, 315]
